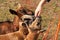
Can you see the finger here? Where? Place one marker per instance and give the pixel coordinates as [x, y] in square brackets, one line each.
[36, 14]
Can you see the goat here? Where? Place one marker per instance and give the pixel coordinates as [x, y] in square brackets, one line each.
[28, 16]
[22, 31]
[7, 27]
[18, 35]
[21, 34]
[34, 30]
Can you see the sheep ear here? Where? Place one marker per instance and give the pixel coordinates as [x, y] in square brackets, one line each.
[48, 0]
[12, 11]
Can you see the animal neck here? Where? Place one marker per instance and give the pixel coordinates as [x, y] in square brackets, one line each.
[16, 20]
[22, 30]
[32, 36]
[16, 23]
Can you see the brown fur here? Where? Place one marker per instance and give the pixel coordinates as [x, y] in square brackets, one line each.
[7, 27]
[17, 23]
[23, 32]
[18, 35]
[34, 31]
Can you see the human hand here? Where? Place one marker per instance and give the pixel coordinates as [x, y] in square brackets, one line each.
[39, 8]
[38, 11]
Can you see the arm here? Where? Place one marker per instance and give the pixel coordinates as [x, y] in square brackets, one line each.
[39, 7]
